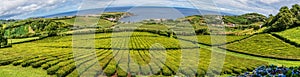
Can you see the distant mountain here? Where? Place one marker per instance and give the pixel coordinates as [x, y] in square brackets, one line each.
[183, 11]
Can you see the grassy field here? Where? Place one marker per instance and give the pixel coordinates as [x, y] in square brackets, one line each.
[55, 56]
[22, 40]
[266, 45]
[18, 71]
[291, 34]
[215, 39]
[88, 21]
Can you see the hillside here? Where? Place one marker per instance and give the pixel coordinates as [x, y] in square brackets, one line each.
[291, 35]
[286, 18]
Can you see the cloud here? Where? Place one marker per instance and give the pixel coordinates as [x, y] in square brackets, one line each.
[261, 6]
[12, 8]
[269, 1]
[31, 8]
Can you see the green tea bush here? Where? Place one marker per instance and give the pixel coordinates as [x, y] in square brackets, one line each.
[64, 71]
[15, 63]
[121, 72]
[40, 63]
[167, 72]
[5, 62]
[52, 70]
[110, 70]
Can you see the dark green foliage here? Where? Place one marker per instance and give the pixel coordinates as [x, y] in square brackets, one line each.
[204, 31]
[17, 62]
[3, 40]
[285, 19]
[20, 29]
[296, 10]
[246, 19]
[5, 62]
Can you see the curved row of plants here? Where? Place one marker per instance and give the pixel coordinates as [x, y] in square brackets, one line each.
[59, 61]
[265, 45]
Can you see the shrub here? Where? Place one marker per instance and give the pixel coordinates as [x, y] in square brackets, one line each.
[17, 62]
[40, 63]
[65, 70]
[54, 69]
[167, 72]
[5, 62]
[121, 73]
[237, 71]
[110, 70]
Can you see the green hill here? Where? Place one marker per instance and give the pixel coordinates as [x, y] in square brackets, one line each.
[245, 19]
[266, 45]
[293, 35]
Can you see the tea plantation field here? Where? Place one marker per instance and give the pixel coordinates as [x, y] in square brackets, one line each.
[291, 35]
[266, 45]
[147, 54]
[216, 39]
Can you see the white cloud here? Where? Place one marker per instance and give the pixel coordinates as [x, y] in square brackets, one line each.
[29, 8]
[20, 7]
[269, 1]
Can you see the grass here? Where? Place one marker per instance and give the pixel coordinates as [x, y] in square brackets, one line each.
[291, 34]
[88, 21]
[13, 71]
[214, 39]
[22, 40]
[154, 27]
[266, 45]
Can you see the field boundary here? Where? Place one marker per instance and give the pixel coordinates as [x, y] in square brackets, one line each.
[285, 40]
[40, 38]
[123, 48]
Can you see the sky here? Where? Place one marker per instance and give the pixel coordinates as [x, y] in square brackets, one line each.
[21, 9]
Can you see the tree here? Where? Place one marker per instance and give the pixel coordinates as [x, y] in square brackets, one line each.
[296, 11]
[3, 40]
[283, 20]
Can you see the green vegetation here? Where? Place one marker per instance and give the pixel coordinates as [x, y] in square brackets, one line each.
[87, 21]
[207, 39]
[285, 19]
[216, 39]
[34, 27]
[44, 44]
[3, 40]
[266, 45]
[23, 40]
[291, 34]
[13, 71]
[53, 55]
[245, 19]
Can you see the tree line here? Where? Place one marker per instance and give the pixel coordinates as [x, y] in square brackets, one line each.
[285, 19]
[3, 40]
